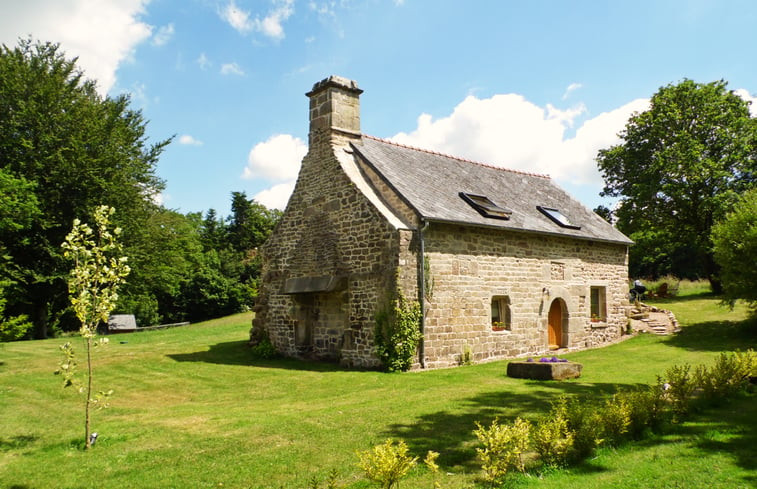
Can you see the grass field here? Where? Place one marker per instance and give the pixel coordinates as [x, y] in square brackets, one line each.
[191, 409]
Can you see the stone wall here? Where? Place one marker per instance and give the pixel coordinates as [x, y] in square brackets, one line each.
[470, 266]
[328, 230]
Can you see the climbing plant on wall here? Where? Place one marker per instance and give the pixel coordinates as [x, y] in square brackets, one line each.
[398, 333]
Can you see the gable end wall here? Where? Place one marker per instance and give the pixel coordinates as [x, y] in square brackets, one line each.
[329, 229]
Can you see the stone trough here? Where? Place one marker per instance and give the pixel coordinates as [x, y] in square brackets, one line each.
[544, 370]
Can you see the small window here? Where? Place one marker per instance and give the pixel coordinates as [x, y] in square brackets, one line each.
[501, 317]
[557, 217]
[598, 304]
[486, 207]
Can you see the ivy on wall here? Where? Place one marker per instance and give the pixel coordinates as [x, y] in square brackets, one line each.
[398, 333]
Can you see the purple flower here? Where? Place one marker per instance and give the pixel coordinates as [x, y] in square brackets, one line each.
[530, 359]
[544, 360]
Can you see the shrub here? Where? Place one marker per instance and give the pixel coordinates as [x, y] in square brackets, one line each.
[727, 377]
[263, 349]
[15, 327]
[386, 464]
[680, 387]
[552, 437]
[430, 462]
[583, 421]
[503, 448]
[331, 481]
[647, 409]
[615, 419]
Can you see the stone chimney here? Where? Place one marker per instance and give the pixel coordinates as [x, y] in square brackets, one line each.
[334, 109]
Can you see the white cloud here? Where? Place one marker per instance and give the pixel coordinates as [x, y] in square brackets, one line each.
[509, 131]
[238, 19]
[203, 62]
[270, 25]
[189, 140]
[160, 198]
[571, 88]
[101, 34]
[276, 159]
[275, 197]
[744, 94]
[164, 34]
[231, 69]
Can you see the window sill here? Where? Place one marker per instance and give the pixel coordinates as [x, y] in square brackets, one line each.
[598, 324]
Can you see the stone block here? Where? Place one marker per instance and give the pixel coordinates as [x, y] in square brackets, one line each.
[122, 323]
[544, 370]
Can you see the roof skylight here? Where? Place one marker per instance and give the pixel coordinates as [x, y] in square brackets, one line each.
[557, 217]
[486, 207]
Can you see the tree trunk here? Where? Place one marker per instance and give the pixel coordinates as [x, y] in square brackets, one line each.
[40, 321]
[87, 442]
[713, 275]
[716, 285]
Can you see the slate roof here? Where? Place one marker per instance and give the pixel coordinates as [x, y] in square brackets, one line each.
[431, 184]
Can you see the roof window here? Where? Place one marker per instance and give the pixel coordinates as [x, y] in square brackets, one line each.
[557, 217]
[486, 207]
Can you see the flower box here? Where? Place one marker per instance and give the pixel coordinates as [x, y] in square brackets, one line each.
[544, 370]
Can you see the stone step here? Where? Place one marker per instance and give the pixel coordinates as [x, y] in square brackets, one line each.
[659, 329]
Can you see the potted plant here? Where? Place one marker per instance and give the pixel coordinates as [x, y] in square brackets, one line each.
[498, 326]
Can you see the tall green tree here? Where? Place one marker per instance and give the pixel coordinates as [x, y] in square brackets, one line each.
[167, 257]
[735, 240]
[679, 169]
[251, 222]
[78, 150]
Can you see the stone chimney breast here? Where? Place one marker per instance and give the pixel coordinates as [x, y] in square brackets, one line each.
[335, 106]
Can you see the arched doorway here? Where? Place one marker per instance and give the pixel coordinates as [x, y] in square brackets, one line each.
[554, 325]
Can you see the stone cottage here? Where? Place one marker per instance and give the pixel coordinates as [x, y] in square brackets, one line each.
[503, 263]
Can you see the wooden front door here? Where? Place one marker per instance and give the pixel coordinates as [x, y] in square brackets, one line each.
[554, 325]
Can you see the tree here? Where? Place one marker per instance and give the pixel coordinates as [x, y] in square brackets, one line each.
[251, 223]
[735, 247]
[167, 257]
[18, 207]
[93, 287]
[679, 169]
[76, 150]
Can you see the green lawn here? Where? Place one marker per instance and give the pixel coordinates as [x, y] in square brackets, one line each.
[192, 410]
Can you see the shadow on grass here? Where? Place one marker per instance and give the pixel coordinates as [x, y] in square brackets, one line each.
[730, 429]
[238, 353]
[716, 336]
[451, 434]
[16, 442]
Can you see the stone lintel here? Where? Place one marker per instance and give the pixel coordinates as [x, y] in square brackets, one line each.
[305, 285]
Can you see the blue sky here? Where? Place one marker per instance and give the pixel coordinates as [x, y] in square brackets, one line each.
[533, 85]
